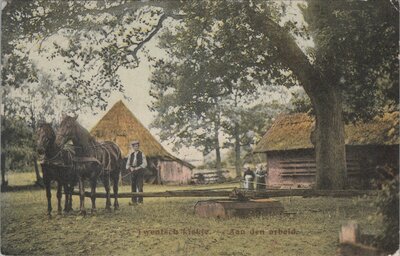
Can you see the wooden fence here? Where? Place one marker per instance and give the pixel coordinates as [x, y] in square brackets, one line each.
[248, 194]
[208, 177]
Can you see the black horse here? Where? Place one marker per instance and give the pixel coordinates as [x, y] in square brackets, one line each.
[89, 151]
[57, 165]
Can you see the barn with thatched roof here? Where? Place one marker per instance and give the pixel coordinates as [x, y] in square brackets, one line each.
[291, 156]
[121, 126]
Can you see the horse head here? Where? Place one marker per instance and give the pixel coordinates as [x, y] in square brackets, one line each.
[45, 137]
[67, 130]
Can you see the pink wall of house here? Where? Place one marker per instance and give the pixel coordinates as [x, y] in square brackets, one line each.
[172, 172]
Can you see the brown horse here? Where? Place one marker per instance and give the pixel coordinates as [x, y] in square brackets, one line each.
[56, 166]
[106, 153]
[87, 168]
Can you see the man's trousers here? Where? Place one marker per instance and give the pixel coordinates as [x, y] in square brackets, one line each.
[137, 185]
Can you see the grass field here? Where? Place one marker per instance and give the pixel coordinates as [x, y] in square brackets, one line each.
[315, 222]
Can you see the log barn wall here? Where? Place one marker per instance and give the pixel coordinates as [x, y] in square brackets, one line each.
[371, 147]
[297, 168]
[292, 168]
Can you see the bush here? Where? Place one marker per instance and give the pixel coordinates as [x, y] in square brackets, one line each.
[387, 204]
[17, 144]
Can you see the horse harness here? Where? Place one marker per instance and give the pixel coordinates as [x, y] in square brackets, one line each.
[57, 158]
[104, 151]
[85, 159]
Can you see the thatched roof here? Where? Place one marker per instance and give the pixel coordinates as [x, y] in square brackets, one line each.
[293, 132]
[121, 126]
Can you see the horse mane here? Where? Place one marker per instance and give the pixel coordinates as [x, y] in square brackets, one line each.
[85, 134]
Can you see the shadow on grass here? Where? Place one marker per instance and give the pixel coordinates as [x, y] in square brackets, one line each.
[35, 186]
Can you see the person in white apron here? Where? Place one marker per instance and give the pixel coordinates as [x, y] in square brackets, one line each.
[248, 178]
[260, 177]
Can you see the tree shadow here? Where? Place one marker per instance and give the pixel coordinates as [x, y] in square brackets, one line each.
[34, 186]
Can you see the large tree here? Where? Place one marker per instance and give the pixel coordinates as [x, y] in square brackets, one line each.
[355, 49]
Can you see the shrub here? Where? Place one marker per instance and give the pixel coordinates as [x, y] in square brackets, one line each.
[387, 204]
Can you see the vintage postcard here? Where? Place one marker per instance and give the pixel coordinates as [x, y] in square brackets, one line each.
[199, 127]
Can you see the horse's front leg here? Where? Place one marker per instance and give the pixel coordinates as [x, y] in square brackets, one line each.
[48, 195]
[59, 196]
[93, 184]
[115, 189]
[82, 196]
[70, 190]
[67, 197]
[106, 182]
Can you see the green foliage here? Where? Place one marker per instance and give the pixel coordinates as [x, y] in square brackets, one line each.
[387, 209]
[356, 50]
[300, 102]
[17, 143]
[254, 123]
[212, 164]
[93, 39]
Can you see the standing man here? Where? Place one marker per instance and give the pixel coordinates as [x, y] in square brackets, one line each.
[136, 164]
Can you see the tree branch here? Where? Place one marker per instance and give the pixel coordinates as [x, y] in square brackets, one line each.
[140, 45]
[59, 19]
[395, 4]
[292, 56]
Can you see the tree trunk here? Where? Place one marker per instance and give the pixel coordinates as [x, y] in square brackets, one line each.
[217, 151]
[238, 162]
[158, 167]
[329, 140]
[217, 126]
[4, 183]
[39, 179]
[3, 169]
[218, 161]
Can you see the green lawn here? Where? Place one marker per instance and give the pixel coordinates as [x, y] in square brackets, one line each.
[26, 230]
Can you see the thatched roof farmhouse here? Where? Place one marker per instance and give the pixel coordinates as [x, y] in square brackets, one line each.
[121, 126]
[291, 156]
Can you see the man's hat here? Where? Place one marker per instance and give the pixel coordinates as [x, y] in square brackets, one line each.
[134, 142]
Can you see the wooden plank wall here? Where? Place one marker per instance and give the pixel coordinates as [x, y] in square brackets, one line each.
[297, 168]
[172, 172]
